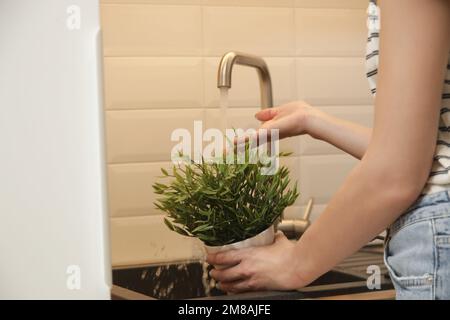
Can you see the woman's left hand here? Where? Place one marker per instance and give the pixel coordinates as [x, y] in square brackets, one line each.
[273, 267]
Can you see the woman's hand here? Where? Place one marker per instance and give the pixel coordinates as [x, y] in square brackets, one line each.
[273, 267]
[291, 118]
[298, 117]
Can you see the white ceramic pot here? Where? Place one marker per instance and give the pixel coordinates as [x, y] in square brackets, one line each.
[264, 238]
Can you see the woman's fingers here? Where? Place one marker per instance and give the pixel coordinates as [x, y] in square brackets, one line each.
[256, 137]
[229, 274]
[231, 257]
[266, 114]
[238, 286]
[269, 124]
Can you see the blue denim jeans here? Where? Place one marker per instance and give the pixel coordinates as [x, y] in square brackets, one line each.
[417, 249]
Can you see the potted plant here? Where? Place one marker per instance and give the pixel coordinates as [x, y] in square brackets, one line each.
[224, 205]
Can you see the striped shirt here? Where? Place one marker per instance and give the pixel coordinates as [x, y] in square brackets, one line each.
[439, 178]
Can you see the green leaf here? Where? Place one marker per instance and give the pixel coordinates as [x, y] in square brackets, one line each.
[169, 224]
[205, 213]
[181, 231]
[222, 203]
[202, 228]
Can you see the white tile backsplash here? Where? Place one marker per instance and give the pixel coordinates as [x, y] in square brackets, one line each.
[257, 30]
[144, 240]
[144, 83]
[330, 32]
[171, 2]
[143, 30]
[130, 188]
[145, 135]
[324, 4]
[333, 81]
[322, 175]
[298, 212]
[249, 3]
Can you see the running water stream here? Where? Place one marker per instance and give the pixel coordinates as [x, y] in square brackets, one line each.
[223, 109]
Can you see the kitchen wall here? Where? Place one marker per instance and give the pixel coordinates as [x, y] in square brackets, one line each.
[160, 62]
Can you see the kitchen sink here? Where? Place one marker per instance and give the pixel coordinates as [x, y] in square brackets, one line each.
[191, 281]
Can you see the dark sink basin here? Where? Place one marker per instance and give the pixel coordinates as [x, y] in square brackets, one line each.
[191, 281]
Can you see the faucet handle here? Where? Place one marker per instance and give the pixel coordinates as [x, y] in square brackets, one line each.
[295, 228]
[308, 209]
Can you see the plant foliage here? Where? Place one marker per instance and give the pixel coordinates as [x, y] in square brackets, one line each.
[223, 203]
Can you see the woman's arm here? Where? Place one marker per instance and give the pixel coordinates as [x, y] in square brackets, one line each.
[414, 48]
[298, 117]
[345, 135]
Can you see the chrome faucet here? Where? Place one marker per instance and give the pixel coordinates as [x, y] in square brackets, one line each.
[226, 69]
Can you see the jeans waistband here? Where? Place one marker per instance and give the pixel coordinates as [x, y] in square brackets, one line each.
[428, 206]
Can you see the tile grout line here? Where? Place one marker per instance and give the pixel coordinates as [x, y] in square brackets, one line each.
[224, 5]
[296, 83]
[168, 161]
[203, 77]
[209, 108]
[168, 56]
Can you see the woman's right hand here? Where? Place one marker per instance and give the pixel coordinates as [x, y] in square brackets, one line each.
[291, 119]
[298, 117]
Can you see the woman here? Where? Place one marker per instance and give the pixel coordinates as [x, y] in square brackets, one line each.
[402, 181]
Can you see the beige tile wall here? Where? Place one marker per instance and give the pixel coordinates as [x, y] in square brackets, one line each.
[160, 67]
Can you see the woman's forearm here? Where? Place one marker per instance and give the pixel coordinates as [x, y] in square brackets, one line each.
[368, 201]
[345, 135]
[398, 160]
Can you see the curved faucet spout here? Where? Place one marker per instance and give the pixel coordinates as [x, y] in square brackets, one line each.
[226, 68]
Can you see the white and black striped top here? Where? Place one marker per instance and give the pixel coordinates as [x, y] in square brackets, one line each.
[439, 178]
